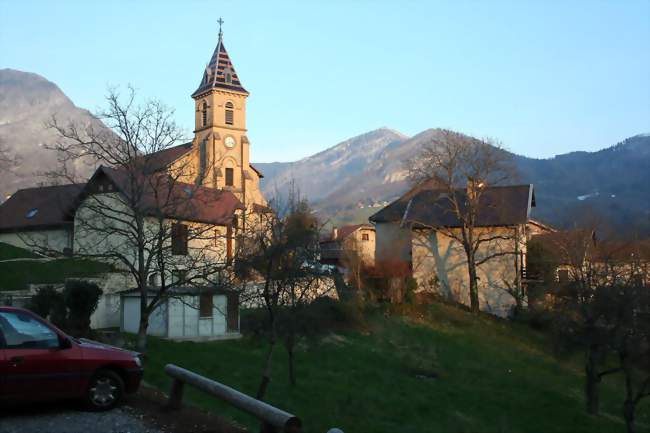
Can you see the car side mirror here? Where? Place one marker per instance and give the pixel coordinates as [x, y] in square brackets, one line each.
[64, 343]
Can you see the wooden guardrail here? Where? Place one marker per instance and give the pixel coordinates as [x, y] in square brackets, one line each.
[273, 420]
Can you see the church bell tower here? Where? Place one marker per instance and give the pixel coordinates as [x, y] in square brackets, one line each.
[220, 144]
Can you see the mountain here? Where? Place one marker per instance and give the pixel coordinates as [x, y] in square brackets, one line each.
[27, 102]
[352, 180]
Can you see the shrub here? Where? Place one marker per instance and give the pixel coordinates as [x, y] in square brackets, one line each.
[49, 304]
[81, 299]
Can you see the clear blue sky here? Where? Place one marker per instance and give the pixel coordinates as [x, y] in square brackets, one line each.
[543, 77]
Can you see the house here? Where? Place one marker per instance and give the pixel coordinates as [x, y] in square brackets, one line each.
[188, 313]
[422, 229]
[40, 217]
[215, 192]
[579, 255]
[342, 243]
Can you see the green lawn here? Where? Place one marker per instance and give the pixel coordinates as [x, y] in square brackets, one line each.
[493, 376]
[17, 275]
[11, 252]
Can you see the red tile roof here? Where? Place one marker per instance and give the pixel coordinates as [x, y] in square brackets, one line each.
[162, 159]
[157, 195]
[39, 208]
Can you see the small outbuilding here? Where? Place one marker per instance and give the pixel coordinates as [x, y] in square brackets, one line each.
[186, 313]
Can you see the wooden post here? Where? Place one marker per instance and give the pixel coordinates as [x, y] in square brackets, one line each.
[176, 396]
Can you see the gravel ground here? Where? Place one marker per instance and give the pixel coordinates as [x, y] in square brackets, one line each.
[67, 419]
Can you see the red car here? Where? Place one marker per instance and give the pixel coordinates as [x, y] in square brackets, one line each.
[38, 362]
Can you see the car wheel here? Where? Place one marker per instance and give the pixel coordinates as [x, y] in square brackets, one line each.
[105, 390]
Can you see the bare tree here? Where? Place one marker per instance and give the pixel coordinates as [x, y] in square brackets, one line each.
[136, 213]
[599, 303]
[462, 168]
[7, 160]
[352, 259]
[282, 254]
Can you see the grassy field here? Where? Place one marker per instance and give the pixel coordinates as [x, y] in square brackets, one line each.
[8, 252]
[445, 371]
[16, 275]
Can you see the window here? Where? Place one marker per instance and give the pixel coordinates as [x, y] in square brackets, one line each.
[229, 113]
[365, 237]
[22, 331]
[563, 275]
[204, 113]
[179, 239]
[179, 276]
[230, 174]
[203, 159]
[205, 305]
[228, 77]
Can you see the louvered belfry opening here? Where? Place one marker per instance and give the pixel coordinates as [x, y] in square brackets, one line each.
[229, 113]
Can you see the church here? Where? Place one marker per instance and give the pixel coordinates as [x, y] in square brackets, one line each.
[212, 175]
[217, 158]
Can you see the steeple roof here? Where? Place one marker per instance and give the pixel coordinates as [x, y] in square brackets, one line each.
[217, 71]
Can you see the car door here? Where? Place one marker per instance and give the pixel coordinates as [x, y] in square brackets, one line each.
[36, 363]
[3, 364]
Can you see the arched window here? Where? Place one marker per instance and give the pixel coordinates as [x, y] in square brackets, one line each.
[204, 113]
[227, 73]
[229, 113]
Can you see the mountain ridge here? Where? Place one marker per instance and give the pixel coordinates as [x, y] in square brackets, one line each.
[613, 182]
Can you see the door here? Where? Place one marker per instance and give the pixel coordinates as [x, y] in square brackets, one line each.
[36, 362]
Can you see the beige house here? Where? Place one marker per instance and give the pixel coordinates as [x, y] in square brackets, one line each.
[421, 230]
[351, 240]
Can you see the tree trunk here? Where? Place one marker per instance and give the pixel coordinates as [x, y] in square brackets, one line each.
[628, 413]
[141, 344]
[266, 372]
[473, 286]
[592, 382]
[292, 372]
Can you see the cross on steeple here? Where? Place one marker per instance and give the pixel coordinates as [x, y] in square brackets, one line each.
[220, 21]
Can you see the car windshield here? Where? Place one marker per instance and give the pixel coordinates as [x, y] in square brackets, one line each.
[22, 331]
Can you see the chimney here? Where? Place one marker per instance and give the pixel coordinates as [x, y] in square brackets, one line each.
[335, 233]
[472, 186]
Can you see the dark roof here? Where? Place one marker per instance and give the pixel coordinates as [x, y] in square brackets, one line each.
[345, 231]
[259, 173]
[177, 200]
[499, 206]
[214, 75]
[162, 159]
[36, 208]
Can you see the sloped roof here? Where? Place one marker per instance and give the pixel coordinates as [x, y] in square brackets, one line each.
[214, 75]
[499, 206]
[162, 159]
[38, 208]
[158, 195]
[343, 232]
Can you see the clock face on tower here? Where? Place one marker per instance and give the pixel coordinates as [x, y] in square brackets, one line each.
[229, 142]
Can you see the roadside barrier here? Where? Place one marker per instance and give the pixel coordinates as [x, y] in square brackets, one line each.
[273, 420]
